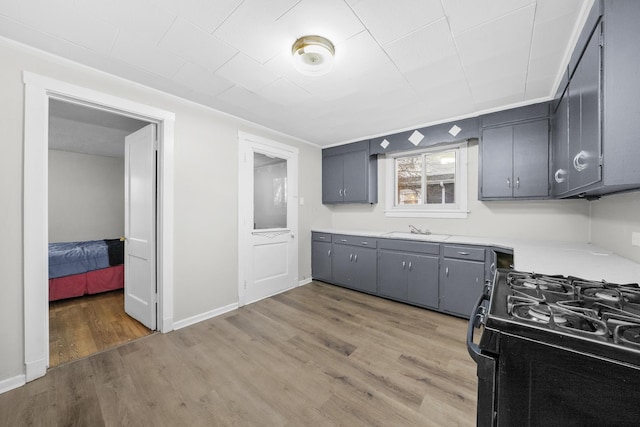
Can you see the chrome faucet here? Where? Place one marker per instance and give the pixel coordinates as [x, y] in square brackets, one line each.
[415, 230]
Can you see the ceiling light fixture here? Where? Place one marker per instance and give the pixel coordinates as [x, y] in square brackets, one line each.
[313, 55]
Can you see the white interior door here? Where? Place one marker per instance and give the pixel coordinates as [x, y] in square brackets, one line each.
[140, 226]
[268, 206]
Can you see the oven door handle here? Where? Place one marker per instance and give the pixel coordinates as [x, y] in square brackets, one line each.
[477, 317]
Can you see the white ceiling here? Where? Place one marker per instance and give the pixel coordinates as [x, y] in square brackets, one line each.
[399, 64]
[81, 129]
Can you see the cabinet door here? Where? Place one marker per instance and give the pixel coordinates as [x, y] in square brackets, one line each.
[355, 172]
[364, 269]
[422, 283]
[531, 159]
[392, 274]
[584, 118]
[341, 264]
[461, 283]
[560, 148]
[321, 261]
[497, 158]
[332, 179]
[590, 141]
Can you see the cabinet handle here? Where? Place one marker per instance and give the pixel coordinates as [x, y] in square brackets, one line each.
[409, 265]
[364, 243]
[492, 268]
[321, 237]
[517, 182]
[559, 179]
[578, 161]
[446, 271]
[463, 253]
[329, 253]
[343, 240]
[344, 192]
[509, 182]
[404, 264]
[340, 192]
[350, 257]
[355, 258]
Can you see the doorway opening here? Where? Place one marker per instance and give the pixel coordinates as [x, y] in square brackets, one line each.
[39, 91]
[86, 222]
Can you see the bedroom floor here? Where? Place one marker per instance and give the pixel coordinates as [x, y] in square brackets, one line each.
[86, 325]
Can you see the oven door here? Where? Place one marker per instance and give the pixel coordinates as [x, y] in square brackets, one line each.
[486, 412]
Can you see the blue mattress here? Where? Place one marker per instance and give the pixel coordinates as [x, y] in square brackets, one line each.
[67, 258]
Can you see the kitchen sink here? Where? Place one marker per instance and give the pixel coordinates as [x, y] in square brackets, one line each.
[415, 236]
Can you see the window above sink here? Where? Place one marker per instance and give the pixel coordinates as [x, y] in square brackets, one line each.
[427, 183]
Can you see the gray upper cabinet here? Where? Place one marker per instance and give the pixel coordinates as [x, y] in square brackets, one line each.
[584, 118]
[596, 124]
[497, 163]
[515, 161]
[560, 149]
[349, 174]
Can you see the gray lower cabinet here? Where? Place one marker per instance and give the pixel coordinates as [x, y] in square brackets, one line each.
[462, 274]
[409, 277]
[354, 262]
[321, 256]
[447, 278]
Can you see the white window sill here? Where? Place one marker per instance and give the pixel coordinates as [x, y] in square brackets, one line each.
[413, 213]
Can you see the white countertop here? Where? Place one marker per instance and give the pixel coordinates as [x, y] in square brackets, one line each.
[550, 257]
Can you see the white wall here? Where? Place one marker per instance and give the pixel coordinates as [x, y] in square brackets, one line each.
[86, 197]
[566, 220]
[613, 219]
[206, 185]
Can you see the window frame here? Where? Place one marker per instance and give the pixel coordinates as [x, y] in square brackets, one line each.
[457, 210]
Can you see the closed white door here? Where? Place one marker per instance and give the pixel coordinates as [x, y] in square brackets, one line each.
[140, 226]
[268, 207]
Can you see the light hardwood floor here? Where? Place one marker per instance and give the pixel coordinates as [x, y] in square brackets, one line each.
[318, 355]
[86, 325]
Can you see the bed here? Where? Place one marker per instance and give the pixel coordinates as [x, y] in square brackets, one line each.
[81, 268]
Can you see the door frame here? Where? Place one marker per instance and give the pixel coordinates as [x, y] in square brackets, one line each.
[38, 90]
[247, 141]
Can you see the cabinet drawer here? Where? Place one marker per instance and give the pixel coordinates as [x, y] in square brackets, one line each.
[367, 242]
[320, 237]
[464, 252]
[416, 247]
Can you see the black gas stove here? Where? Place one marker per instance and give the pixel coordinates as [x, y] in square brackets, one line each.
[557, 350]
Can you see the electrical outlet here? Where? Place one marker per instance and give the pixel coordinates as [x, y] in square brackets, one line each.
[635, 238]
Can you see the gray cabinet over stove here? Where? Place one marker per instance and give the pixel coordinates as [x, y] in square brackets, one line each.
[595, 116]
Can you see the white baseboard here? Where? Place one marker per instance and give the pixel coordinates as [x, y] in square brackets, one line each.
[305, 281]
[11, 383]
[204, 316]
